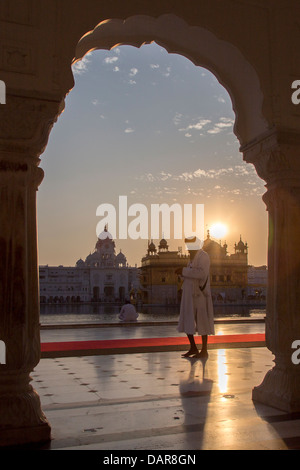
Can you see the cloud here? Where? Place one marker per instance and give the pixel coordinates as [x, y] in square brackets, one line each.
[230, 183]
[116, 69]
[186, 176]
[236, 171]
[177, 118]
[81, 66]
[129, 130]
[213, 173]
[167, 73]
[198, 173]
[164, 176]
[220, 99]
[214, 130]
[154, 66]
[198, 125]
[111, 60]
[224, 123]
[203, 125]
[148, 177]
[133, 72]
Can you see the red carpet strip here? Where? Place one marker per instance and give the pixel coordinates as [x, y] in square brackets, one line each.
[126, 346]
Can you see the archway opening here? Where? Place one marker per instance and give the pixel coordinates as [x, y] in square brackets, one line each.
[157, 129]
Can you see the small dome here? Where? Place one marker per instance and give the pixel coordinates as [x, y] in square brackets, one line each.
[93, 259]
[80, 263]
[105, 234]
[241, 244]
[105, 241]
[121, 255]
[121, 259]
[163, 245]
[241, 247]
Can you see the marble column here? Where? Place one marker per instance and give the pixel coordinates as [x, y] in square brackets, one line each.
[23, 136]
[277, 161]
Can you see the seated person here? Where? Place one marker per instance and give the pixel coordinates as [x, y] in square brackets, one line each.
[128, 312]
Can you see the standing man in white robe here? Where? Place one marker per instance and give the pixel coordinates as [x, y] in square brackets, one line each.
[196, 309]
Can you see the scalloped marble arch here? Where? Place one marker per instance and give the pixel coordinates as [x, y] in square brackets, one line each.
[200, 46]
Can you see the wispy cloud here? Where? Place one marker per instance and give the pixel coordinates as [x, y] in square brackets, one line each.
[164, 176]
[81, 66]
[214, 173]
[110, 60]
[231, 186]
[177, 118]
[224, 123]
[205, 126]
[220, 99]
[198, 125]
[237, 170]
[164, 73]
[133, 72]
[167, 72]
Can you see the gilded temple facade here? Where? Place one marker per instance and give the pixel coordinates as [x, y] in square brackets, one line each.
[228, 272]
[160, 284]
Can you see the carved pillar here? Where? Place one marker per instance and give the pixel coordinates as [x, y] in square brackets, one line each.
[25, 125]
[277, 161]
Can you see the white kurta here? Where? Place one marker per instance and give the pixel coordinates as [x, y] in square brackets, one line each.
[128, 313]
[196, 308]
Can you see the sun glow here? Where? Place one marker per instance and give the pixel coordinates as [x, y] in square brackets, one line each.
[218, 230]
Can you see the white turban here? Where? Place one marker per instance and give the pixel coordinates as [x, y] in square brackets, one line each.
[193, 243]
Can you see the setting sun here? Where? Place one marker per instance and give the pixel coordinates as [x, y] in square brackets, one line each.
[218, 230]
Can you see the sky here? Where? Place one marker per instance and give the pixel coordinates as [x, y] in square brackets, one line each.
[153, 127]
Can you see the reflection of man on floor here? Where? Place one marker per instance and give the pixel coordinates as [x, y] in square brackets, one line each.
[196, 309]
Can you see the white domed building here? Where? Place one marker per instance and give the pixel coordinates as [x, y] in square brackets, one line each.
[104, 276]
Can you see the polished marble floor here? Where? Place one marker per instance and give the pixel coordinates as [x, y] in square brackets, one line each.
[139, 331]
[159, 400]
